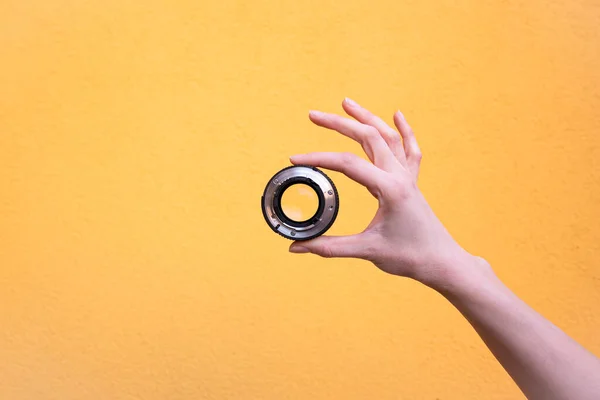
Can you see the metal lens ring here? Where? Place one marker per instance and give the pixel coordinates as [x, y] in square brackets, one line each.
[316, 225]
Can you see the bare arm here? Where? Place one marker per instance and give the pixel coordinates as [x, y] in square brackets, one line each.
[405, 238]
[541, 359]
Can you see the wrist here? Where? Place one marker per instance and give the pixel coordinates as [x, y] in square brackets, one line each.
[462, 276]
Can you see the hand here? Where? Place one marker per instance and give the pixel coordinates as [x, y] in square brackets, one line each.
[405, 237]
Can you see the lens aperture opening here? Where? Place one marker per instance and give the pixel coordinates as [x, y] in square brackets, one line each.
[300, 202]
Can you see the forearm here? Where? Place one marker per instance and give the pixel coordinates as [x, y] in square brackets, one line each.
[541, 359]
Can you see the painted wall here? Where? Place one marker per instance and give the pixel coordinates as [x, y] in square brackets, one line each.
[136, 138]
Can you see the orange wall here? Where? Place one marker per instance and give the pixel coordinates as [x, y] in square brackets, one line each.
[136, 138]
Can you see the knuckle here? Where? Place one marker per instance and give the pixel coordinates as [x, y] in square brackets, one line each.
[371, 244]
[325, 251]
[368, 116]
[398, 190]
[394, 138]
[370, 253]
[347, 158]
[370, 133]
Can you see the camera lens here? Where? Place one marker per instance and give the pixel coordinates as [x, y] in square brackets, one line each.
[300, 202]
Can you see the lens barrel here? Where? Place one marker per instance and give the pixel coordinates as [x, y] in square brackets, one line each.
[316, 225]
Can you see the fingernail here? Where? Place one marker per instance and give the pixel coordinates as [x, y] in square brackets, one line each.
[350, 102]
[315, 113]
[400, 114]
[298, 249]
[294, 157]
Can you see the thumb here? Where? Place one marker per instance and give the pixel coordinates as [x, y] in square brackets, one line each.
[333, 246]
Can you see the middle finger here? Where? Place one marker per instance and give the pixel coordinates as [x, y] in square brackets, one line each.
[390, 135]
[369, 138]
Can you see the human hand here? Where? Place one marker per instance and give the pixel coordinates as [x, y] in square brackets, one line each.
[405, 237]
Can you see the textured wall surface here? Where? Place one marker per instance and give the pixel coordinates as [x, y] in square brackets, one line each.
[136, 138]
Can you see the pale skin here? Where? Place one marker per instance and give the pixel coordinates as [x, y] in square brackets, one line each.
[405, 238]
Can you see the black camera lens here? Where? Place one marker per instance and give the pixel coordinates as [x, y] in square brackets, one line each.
[300, 202]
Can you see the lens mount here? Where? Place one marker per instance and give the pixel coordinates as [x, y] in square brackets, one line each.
[316, 225]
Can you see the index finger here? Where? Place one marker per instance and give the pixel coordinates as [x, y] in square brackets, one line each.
[351, 165]
[368, 136]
